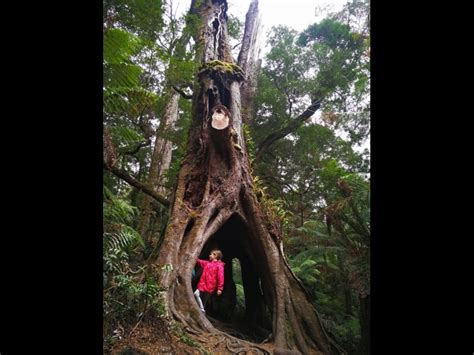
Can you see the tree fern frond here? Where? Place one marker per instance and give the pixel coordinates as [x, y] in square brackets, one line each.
[132, 232]
[121, 240]
[117, 210]
[125, 134]
[130, 101]
[117, 75]
[119, 45]
[308, 263]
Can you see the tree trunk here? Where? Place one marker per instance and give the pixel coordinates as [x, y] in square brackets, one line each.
[247, 60]
[346, 288]
[215, 206]
[364, 319]
[160, 162]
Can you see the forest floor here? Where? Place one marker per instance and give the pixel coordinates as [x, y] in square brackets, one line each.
[150, 338]
[155, 337]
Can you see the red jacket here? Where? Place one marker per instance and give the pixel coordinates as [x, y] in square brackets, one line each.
[212, 277]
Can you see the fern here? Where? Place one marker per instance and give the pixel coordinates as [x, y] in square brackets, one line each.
[117, 210]
[128, 101]
[119, 237]
[119, 45]
[308, 263]
[125, 135]
[123, 239]
[122, 75]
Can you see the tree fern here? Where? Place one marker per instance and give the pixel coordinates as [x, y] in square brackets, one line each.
[119, 237]
[117, 210]
[119, 45]
[125, 136]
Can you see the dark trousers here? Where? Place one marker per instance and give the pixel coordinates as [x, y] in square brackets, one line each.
[202, 299]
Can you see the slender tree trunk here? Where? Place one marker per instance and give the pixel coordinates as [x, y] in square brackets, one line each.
[348, 300]
[364, 319]
[346, 289]
[248, 61]
[109, 153]
[301, 208]
[215, 206]
[160, 162]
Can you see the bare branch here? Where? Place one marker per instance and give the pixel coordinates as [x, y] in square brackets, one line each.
[182, 93]
[139, 185]
[290, 128]
[109, 163]
[138, 147]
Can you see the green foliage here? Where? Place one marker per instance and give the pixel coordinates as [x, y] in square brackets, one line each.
[128, 294]
[345, 331]
[119, 237]
[318, 172]
[331, 32]
[125, 136]
[141, 17]
[138, 297]
[234, 27]
[119, 45]
[249, 142]
[124, 96]
[314, 252]
[239, 310]
[181, 70]
[116, 209]
[277, 215]
[179, 137]
[329, 59]
[142, 59]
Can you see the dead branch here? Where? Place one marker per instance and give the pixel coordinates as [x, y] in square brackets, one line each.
[182, 93]
[290, 128]
[139, 185]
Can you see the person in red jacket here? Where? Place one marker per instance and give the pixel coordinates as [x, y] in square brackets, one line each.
[212, 278]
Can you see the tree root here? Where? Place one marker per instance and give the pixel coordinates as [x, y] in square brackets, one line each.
[232, 344]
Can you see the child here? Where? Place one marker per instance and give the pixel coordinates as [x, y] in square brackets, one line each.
[212, 278]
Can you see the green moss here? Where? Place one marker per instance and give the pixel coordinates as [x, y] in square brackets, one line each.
[229, 70]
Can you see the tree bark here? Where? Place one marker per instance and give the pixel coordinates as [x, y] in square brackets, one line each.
[160, 162]
[248, 61]
[215, 206]
[364, 319]
[146, 189]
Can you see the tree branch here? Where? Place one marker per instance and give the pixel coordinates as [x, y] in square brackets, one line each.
[182, 93]
[109, 161]
[138, 147]
[290, 128]
[139, 185]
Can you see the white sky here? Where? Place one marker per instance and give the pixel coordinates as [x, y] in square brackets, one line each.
[297, 14]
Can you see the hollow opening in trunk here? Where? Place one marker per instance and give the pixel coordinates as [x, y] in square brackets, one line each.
[244, 308]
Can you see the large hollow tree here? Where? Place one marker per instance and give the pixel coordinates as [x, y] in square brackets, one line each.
[215, 205]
